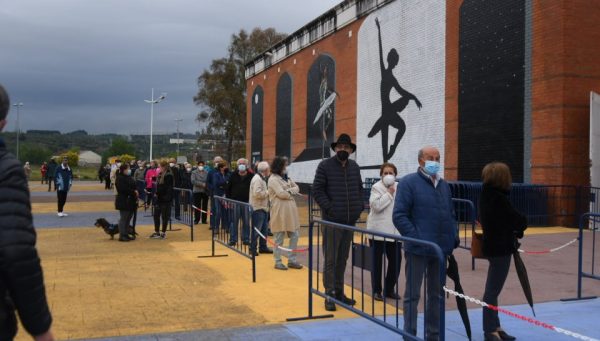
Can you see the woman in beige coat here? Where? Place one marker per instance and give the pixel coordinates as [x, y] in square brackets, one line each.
[284, 213]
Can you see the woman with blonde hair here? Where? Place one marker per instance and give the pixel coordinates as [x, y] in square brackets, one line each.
[502, 226]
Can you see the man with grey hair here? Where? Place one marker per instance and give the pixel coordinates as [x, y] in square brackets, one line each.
[423, 210]
[21, 277]
[259, 199]
[238, 188]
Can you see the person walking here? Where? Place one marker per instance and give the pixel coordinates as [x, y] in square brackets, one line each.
[423, 210]
[163, 201]
[284, 213]
[502, 227]
[22, 287]
[238, 188]
[338, 190]
[125, 201]
[381, 202]
[64, 180]
[259, 200]
[199, 190]
[106, 176]
[52, 165]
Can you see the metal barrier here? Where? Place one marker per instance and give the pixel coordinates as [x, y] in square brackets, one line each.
[366, 306]
[183, 211]
[591, 221]
[232, 228]
[464, 212]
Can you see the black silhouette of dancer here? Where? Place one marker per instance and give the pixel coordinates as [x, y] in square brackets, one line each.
[390, 112]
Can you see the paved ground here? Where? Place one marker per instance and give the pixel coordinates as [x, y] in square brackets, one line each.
[159, 289]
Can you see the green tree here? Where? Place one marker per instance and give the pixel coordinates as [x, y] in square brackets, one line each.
[222, 88]
[34, 153]
[119, 146]
[72, 157]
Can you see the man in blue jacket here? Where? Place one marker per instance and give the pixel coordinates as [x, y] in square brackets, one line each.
[21, 278]
[423, 210]
[64, 180]
[338, 190]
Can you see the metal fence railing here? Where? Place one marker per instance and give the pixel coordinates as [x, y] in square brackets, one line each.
[182, 210]
[385, 313]
[464, 211]
[589, 221]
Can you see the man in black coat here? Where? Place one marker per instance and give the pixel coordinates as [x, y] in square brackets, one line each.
[21, 278]
[238, 188]
[338, 190]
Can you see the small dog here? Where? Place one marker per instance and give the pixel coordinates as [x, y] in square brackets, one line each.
[112, 229]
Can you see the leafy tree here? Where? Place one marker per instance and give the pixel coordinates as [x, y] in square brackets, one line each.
[222, 88]
[35, 154]
[72, 157]
[120, 146]
[126, 158]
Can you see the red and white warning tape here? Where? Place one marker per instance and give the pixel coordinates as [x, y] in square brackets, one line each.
[521, 317]
[541, 252]
[201, 210]
[278, 246]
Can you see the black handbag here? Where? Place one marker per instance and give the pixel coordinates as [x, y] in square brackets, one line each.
[363, 255]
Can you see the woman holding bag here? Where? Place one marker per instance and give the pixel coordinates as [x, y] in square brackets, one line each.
[381, 201]
[502, 226]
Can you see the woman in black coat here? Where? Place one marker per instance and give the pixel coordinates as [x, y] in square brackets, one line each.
[163, 200]
[126, 200]
[502, 226]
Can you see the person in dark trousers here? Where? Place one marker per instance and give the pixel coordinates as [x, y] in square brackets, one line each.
[199, 189]
[125, 201]
[163, 200]
[176, 171]
[106, 175]
[238, 188]
[52, 165]
[381, 203]
[211, 188]
[259, 199]
[502, 226]
[219, 184]
[423, 210]
[338, 190]
[21, 277]
[64, 180]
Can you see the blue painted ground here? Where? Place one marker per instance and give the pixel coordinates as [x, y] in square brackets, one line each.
[577, 316]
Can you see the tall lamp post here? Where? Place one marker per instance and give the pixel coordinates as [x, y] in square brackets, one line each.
[153, 101]
[178, 120]
[18, 105]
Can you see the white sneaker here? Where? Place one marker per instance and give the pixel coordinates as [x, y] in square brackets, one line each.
[60, 214]
[65, 215]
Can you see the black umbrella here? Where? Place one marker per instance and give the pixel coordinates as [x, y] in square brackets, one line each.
[452, 272]
[523, 278]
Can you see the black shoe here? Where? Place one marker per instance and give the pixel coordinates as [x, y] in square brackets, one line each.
[491, 337]
[393, 295]
[377, 296]
[267, 250]
[196, 222]
[232, 243]
[245, 242]
[505, 336]
[346, 300]
[124, 239]
[254, 253]
[270, 234]
[329, 305]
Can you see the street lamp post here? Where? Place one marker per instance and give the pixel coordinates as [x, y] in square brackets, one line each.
[18, 105]
[178, 120]
[153, 101]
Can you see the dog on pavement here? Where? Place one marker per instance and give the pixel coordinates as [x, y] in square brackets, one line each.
[112, 229]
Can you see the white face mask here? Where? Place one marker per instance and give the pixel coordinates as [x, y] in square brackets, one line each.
[171, 164]
[389, 180]
[118, 164]
[189, 169]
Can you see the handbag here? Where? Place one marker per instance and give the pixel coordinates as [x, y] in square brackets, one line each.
[477, 244]
[362, 255]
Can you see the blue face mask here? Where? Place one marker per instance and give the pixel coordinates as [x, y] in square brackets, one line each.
[431, 167]
[242, 168]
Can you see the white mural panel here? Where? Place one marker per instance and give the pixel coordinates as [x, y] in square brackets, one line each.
[400, 90]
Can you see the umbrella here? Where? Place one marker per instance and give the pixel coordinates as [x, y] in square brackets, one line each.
[452, 272]
[523, 278]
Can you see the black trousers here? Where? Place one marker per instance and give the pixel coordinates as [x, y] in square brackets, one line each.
[393, 253]
[200, 201]
[62, 199]
[162, 211]
[50, 180]
[336, 247]
[496, 276]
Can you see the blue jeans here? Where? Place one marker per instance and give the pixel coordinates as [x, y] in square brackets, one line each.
[239, 212]
[260, 221]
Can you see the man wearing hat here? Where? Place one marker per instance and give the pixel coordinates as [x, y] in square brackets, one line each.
[338, 190]
[21, 278]
[64, 180]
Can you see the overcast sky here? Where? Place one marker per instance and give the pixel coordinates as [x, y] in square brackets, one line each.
[89, 64]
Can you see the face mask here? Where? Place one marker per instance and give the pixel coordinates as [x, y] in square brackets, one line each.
[342, 155]
[171, 164]
[118, 164]
[389, 180]
[128, 172]
[242, 168]
[431, 167]
[188, 170]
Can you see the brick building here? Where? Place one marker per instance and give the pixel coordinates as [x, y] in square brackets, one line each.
[482, 80]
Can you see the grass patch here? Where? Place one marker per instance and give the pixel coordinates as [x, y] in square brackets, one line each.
[79, 173]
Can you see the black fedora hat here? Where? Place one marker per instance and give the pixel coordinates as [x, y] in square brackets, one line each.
[344, 139]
